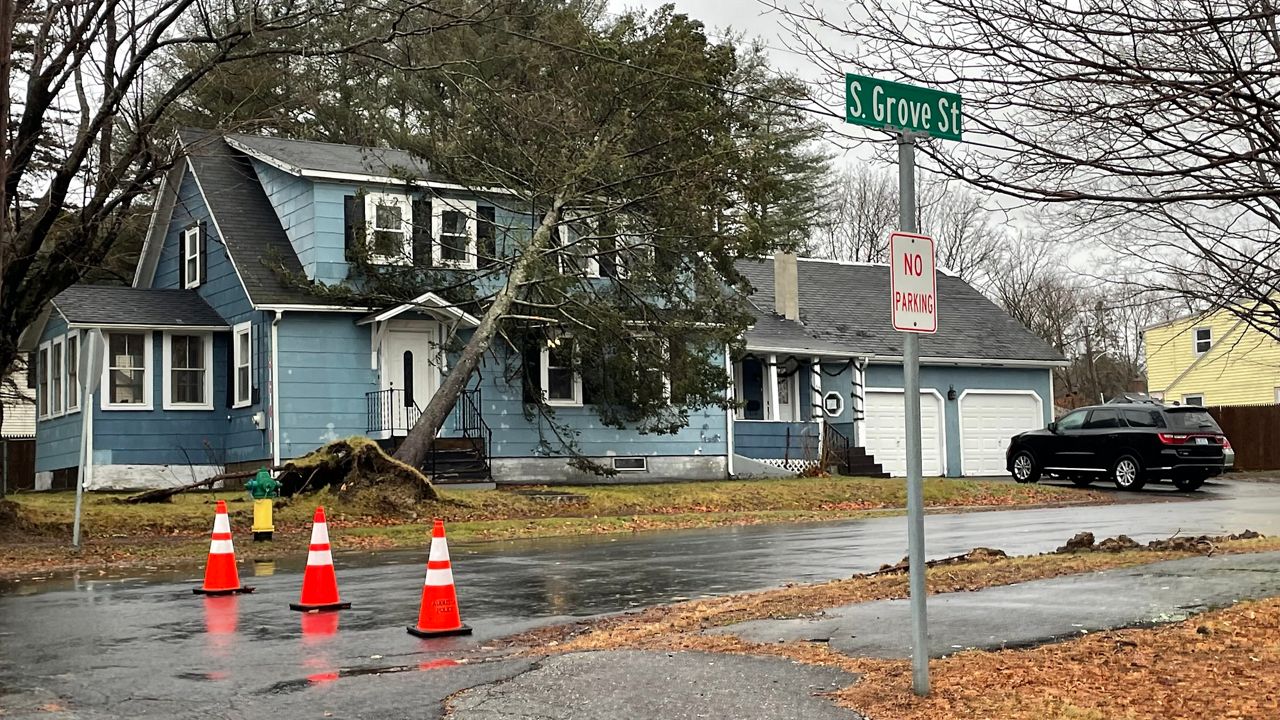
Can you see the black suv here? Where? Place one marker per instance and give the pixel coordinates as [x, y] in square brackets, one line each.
[1130, 443]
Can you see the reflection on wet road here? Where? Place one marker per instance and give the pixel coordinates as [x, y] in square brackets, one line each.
[145, 640]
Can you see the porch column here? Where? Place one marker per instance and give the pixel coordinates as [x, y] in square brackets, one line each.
[775, 413]
[816, 411]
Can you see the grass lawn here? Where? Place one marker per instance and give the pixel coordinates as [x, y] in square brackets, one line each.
[40, 522]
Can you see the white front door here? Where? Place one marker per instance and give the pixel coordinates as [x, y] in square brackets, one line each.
[988, 418]
[412, 364]
[885, 431]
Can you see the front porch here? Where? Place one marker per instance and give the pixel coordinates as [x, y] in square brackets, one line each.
[800, 413]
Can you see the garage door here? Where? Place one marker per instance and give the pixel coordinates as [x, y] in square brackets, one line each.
[886, 430]
[987, 421]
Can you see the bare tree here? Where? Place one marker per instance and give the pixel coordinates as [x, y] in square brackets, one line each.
[863, 210]
[966, 236]
[1154, 115]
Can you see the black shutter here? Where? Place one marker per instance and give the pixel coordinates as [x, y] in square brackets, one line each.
[353, 223]
[231, 371]
[532, 384]
[203, 241]
[422, 232]
[182, 259]
[607, 248]
[486, 236]
[31, 370]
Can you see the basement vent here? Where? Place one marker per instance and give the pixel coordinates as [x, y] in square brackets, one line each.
[631, 464]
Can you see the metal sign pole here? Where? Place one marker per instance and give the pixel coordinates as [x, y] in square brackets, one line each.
[915, 472]
[92, 352]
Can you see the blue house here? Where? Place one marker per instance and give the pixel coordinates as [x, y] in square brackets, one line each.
[822, 373]
[219, 357]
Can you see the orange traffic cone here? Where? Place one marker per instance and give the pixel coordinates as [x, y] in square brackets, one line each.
[439, 612]
[319, 583]
[220, 574]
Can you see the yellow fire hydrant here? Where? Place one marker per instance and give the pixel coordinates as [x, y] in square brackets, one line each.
[264, 490]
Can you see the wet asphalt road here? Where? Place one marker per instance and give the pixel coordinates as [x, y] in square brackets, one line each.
[144, 646]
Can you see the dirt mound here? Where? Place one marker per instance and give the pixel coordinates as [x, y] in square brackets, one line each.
[359, 471]
[15, 525]
[1084, 543]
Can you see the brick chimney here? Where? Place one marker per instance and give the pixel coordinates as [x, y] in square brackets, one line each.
[786, 286]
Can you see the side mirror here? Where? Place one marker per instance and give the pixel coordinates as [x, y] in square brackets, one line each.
[1053, 427]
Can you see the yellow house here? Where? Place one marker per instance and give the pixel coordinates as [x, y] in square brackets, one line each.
[1212, 358]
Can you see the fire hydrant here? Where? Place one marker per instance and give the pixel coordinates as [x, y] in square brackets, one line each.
[264, 490]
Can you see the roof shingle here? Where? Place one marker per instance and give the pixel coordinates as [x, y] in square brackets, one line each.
[248, 224]
[846, 306]
[311, 155]
[144, 307]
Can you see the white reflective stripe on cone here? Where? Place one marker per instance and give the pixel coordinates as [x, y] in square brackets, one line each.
[439, 550]
[221, 523]
[220, 547]
[439, 577]
[320, 533]
[319, 557]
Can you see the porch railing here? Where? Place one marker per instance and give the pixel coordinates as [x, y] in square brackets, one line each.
[390, 413]
[835, 447]
[468, 423]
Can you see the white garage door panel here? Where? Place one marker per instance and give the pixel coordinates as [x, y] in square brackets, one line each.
[987, 421]
[886, 432]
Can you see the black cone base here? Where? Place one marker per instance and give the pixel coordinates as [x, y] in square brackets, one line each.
[462, 630]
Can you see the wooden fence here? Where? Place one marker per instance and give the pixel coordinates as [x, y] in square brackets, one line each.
[18, 463]
[1254, 432]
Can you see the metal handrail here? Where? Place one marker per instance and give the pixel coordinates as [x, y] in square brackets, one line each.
[834, 443]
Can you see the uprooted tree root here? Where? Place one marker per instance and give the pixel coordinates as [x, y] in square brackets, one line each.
[358, 470]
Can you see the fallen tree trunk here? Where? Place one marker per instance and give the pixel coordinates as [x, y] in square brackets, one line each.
[356, 465]
[163, 494]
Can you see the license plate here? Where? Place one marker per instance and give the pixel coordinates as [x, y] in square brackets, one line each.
[1202, 441]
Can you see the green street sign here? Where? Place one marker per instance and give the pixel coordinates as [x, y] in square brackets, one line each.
[891, 105]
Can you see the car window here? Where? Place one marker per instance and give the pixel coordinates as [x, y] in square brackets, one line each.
[1191, 420]
[1142, 418]
[1102, 419]
[1072, 421]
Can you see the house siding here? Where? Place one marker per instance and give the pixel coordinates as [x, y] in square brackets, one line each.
[515, 436]
[57, 439]
[1242, 366]
[293, 199]
[325, 373]
[241, 440]
[19, 415]
[943, 379]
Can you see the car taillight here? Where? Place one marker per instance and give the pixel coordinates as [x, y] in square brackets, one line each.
[1226, 444]
[1173, 439]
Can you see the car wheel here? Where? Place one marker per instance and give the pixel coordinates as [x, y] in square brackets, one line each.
[1126, 473]
[1025, 469]
[1189, 484]
[1082, 480]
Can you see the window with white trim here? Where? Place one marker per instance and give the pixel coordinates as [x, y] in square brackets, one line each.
[73, 371]
[57, 377]
[42, 380]
[578, 242]
[1193, 400]
[1204, 340]
[631, 464]
[453, 226]
[389, 220]
[191, 257]
[242, 372]
[188, 380]
[128, 377]
[561, 381]
[652, 363]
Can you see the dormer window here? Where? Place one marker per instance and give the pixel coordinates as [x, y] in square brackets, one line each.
[453, 224]
[389, 223]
